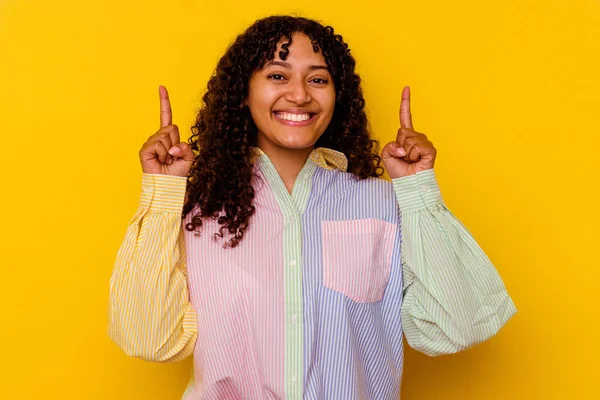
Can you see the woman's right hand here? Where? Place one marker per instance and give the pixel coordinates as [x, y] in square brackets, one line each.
[163, 153]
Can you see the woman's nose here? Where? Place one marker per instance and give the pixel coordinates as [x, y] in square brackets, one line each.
[298, 93]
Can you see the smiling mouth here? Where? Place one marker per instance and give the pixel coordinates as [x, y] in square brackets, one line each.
[292, 119]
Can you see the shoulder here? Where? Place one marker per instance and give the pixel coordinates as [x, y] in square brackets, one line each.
[371, 186]
[376, 192]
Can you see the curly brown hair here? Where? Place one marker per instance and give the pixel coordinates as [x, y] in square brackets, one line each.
[224, 133]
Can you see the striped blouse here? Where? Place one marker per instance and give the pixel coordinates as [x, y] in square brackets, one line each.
[314, 301]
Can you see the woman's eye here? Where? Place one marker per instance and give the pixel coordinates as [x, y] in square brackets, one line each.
[320, 80]
[276, 77]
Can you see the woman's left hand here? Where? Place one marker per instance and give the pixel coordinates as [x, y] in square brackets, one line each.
[412, 152]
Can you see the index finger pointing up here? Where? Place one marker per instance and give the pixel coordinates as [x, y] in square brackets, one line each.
[405, 115]
[166, 116]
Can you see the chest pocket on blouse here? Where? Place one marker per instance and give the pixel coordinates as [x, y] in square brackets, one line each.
[357, 256]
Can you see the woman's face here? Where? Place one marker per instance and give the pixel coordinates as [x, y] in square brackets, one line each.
[292, 101]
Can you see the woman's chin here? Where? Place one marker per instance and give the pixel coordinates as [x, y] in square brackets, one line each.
[290, 141]
[298, 143]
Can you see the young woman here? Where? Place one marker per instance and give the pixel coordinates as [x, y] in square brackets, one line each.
[269, 249]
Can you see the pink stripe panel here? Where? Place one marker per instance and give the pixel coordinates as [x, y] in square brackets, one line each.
[240, 347]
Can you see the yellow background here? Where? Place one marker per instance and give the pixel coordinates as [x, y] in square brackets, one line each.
[508, 91]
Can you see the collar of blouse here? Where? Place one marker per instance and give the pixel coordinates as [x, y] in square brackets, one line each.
[322, 156]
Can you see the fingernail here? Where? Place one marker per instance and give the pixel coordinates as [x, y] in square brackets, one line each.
[401, 151]
[171, 150]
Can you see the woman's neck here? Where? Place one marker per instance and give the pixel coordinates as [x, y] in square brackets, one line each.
[287, 162]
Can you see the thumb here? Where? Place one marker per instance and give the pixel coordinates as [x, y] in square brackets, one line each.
[392, 150]
[182, 150]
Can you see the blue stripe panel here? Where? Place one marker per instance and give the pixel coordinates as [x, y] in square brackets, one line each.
[351, 350]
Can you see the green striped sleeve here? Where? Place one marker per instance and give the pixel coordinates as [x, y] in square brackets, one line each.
[453, 296]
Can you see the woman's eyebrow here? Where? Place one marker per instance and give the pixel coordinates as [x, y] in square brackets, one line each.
[287, 65]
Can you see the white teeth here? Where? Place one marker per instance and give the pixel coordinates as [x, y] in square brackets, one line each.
[293, 117]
